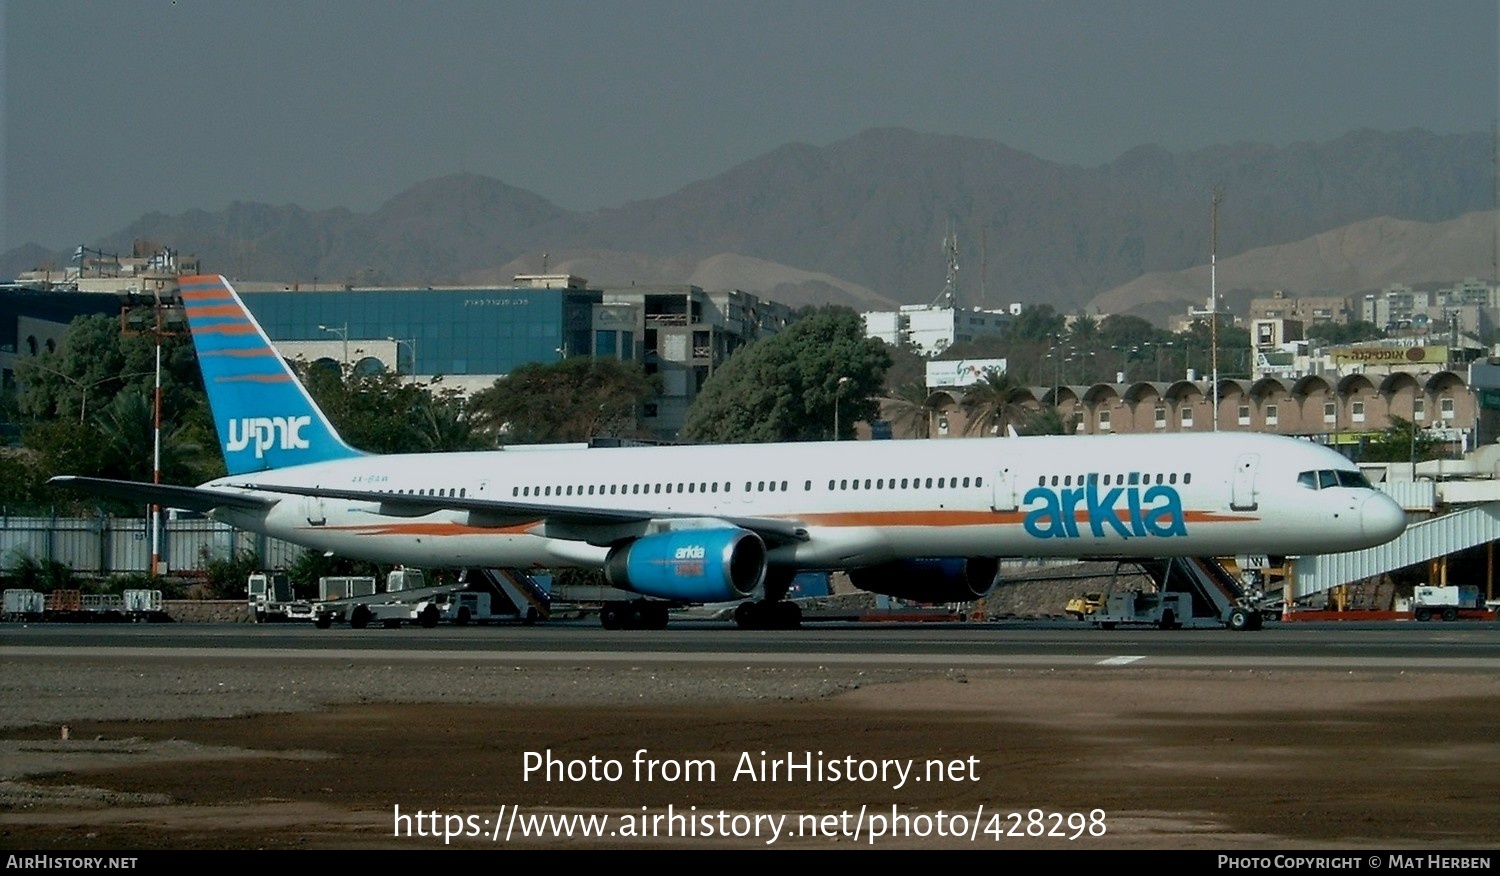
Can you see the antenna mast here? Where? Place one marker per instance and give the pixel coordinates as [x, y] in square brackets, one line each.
[949, 296]
[1213, 303]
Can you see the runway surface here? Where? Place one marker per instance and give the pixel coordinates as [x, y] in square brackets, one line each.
[1464, 646]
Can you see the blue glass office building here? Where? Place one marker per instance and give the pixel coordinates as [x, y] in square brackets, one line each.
[454, 331]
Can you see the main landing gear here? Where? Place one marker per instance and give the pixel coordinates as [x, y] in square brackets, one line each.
[774, 612]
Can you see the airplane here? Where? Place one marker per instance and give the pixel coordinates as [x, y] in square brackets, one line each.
[703, 524]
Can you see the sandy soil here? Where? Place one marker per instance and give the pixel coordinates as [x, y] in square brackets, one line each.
[221, 756]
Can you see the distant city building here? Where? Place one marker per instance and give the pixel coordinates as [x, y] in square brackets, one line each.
[1307, 309]
[1466, 307]
[681, 334]
[934, 329]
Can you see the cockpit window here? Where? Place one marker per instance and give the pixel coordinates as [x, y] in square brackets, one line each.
[1354, 479]
[1328, 478]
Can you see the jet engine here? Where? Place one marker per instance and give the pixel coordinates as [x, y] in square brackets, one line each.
[930, 579]
[690, 565]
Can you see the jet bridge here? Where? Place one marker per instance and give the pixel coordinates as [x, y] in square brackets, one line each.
[1429, 539]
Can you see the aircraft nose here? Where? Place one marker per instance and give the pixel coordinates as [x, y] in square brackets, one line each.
[1381, 518]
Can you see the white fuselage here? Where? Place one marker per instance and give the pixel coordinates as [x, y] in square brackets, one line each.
[861, 503]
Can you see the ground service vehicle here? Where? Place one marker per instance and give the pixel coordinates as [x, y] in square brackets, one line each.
[1133, 607]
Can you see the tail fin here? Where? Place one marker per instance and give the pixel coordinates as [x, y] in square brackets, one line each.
[264, 416]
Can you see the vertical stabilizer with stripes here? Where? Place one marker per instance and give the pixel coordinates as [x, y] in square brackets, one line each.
[264, 415]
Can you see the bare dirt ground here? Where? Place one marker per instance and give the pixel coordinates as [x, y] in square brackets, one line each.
[219, 756]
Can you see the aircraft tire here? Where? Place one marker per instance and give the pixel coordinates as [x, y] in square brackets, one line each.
[429, 617]
[745, 616]
[360, 617]
[788, 615]
[323, 621]
[462, 618]
[609, 616]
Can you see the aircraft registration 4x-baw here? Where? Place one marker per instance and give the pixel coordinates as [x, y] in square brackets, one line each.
[715, 523]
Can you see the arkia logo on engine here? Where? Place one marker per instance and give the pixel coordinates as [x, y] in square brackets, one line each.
[1127, 512]
[691, 552]
[264, 433]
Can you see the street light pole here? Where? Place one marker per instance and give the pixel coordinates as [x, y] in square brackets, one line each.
[838, 394]
[343, 333]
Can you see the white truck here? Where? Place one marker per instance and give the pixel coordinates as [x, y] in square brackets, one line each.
[1448, 603]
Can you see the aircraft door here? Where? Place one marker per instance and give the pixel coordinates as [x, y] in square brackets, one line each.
[1003, 496]
[1242, 497]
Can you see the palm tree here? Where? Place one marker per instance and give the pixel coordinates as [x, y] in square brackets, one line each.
[911, 407]
[990, 402]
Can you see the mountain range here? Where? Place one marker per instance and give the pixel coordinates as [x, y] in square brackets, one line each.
[861, 222]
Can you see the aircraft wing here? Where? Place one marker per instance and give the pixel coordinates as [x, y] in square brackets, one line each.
[166, 495]
[774, 531]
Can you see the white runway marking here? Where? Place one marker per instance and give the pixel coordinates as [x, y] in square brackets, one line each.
[1120, 661]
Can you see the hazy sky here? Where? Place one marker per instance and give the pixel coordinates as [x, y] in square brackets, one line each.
[113, 109]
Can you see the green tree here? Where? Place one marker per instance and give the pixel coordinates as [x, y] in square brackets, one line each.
[1401, 441]
[1047, 421]
[386, 413]
[911, 407]
[990, 403]
[793, 385]
[1039, 323]
[573, 400]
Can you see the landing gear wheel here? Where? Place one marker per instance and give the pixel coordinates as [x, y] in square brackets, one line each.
[429, 617]
[609, 616]
[323, 621]
[744, 616]
[462, 618]
[360, 617]
[532, 616]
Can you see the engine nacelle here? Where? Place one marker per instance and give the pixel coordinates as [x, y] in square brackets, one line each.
[690, 565]
[930, 579]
